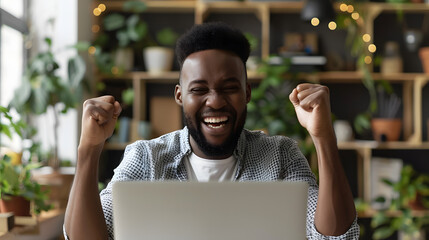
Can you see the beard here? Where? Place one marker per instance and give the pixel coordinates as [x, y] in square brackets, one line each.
[209, 149]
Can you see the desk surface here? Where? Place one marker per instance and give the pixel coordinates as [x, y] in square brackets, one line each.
[50, 225]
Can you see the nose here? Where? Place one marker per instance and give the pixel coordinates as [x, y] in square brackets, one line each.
[215, 100]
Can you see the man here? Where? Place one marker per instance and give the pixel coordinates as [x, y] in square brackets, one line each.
[213, 93]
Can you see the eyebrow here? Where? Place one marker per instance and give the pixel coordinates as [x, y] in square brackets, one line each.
[199, 81]
[227, 80]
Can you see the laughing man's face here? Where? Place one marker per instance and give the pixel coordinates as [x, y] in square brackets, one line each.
[213, 93]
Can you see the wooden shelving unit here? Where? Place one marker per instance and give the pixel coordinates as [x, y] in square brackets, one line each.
[412, 83]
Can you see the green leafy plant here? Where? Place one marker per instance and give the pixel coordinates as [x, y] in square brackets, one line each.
[411, 193]
[270, 107]
[15, 180]
[128, 96]
[167, 37]
[42, 88]
[120, 31]
[359, 50]
[253, 41]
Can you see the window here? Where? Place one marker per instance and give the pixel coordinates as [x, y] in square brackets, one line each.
[12, 55]
[12, 59]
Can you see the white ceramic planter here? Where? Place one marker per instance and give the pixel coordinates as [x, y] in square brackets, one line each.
[158, 59]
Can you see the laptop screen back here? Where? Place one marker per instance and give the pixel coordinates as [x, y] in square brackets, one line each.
[193, 210]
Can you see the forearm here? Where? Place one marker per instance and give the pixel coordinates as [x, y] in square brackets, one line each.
[84, 217]
[335, 210]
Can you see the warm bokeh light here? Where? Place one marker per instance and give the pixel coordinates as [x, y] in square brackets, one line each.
[95, 28]
[366, 37]
[350, 8]
[115, 70]
[102, 7]
[91, 50]
[372, 48]
[332, 25]
[315, 21]
[343, 7]
[355, 16]
[96, 12]
[368, 60]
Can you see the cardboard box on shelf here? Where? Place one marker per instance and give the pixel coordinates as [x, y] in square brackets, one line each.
[165, 115]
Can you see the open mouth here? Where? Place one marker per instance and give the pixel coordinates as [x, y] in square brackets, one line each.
[215, 122]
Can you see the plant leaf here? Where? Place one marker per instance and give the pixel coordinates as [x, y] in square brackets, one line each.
[114, 21]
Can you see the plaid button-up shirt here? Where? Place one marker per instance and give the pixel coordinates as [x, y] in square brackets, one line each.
[260, 158]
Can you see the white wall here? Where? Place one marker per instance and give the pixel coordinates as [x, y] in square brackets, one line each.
[64, 33]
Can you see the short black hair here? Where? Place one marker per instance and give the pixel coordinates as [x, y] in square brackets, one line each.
[213, 35]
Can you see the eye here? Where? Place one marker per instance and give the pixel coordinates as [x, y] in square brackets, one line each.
[199, 90]
[231, 89]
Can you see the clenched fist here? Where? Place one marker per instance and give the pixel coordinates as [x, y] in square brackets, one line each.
[98, 120]
[312, 107]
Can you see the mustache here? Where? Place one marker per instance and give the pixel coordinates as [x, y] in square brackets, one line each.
[211, 112]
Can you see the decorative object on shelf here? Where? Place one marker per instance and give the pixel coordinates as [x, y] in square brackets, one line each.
[165, 116]
[145, 130]
[159, 59]
[302, 50]
[43, 88]
[386, 129]
[392, 60]
[124, 129]
[121, 36]
[343, 130]
[424, 58]
[124, 59]
[411, 193]
[413, 39]
[385, 124]
[17, 188]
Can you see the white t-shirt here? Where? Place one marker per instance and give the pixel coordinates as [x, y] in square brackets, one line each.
[209, 170]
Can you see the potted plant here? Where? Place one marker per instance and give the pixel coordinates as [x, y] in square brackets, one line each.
[122, 36]
[385, 124]
[411, 195]
[42, 88]
[159, 58]
[17, 188]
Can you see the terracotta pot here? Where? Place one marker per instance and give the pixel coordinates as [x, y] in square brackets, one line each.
[386, 129]
[16, 204]
[424, 58]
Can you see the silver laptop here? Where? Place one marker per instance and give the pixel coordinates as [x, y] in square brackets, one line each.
[200, 211]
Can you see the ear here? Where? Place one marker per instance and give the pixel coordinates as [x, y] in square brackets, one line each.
[178, 94]
[248, 92]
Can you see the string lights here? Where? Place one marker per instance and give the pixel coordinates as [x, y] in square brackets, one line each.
[365, 37]
[98, 10]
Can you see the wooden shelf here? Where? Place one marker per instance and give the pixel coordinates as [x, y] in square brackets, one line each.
[357, 145]
[245, 6]
[356, 77]
[371, 213]
[167, 77]
[323, 77]
[153, 6]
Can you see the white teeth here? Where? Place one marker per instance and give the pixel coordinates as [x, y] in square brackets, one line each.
[216, 126]
[215, 119]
